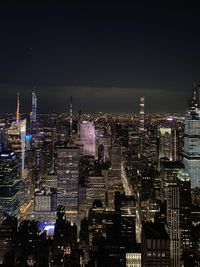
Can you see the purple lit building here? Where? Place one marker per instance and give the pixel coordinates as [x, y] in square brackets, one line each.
[88, 138]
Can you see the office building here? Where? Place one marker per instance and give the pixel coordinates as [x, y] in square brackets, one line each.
[173, 223]
[88, 138]
[10, 184]
[168, 172]
[17, 141]
[185, 203]
[125, 207]
[165, 143]
[67, 180]
[8, 229]
[96, 189]
[155, 248]
[34, 109]
[191, 153]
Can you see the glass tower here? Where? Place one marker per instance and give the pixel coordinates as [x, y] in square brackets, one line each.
[10, 184]
[191, 153]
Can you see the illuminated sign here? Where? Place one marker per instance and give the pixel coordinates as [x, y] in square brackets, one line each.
[48, 227]
[29, 137]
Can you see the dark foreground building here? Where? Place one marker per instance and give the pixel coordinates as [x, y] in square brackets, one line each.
[155, 245]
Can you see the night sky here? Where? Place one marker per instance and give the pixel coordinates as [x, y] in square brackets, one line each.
[106, 57]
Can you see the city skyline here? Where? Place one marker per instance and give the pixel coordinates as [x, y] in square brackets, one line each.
[110, 100]
[107, 57]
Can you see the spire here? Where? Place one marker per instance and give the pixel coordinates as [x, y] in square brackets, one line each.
[17, 111]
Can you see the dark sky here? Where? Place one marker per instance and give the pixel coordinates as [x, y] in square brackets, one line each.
[105, 56]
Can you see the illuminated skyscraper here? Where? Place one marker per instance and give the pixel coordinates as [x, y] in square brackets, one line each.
[17, 141]
[191, 154]
[71, 116]
[67, 180]
[17, 137]
[141, 127]
[17, 111]
[34, 107]
[173, 223]
[10, 184]
[165, 143]
[185, 204]
[88, 138]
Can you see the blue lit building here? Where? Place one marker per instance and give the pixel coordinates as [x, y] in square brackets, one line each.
[10, 183]
[191, 154]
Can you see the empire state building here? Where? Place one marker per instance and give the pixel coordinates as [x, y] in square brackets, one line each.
[191, 153]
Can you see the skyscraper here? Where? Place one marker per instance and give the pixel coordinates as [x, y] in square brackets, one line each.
[191, 154]
[17, 141]
[71, 116]
[34, 108]
[17, 111]
[173, 223]
[10, 184]
[67, 180]
[155, 245]
[165, 143]
[88, 138]
[185, 204]
[141, 127]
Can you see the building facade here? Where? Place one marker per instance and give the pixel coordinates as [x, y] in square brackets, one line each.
[191, 154]
[67, 180]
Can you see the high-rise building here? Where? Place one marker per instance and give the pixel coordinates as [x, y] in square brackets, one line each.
[10, 183]
[155, 247]
[71, 116]
[67, 180]
[173, 223]
[18, 110]
[8, 229]
[116, 158]
[169, 171]
[88, 138]
[171, 194]
[49, 153]
[146, 186]
[125, 207]
[165, 143]
[3, 137]
[42, 201]
[96, 189]
[141, 127]
[185, 204]
[96, 221]
[17, 141]
[191, 154]
[34, 108]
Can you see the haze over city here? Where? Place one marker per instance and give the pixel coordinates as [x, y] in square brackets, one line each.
[106, 56]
